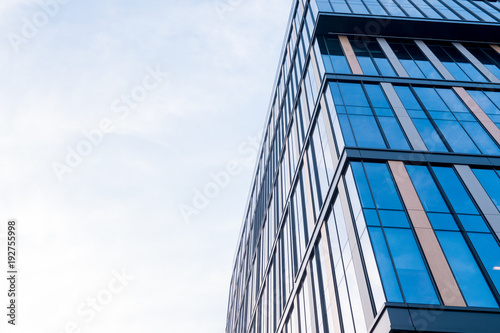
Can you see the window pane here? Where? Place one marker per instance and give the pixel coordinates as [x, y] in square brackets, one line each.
[459, 198]
[393, 133]
[440, 221]
[386, 269]
[367, 132]
[491, 183]
[429, 135]
[362, 184]
[489, 252]
[353, 94]
[393, 218]
[470, 279]
[413, 275]
[426, 188]
[384, 191]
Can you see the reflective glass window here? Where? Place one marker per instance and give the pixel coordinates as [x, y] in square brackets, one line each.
[491, 183]
[487, 56]
[333, 55]
[489, 101]
[371, 57]
[412, 272]
[455, 62]
[489, 252]
[468, 275]
[413, 60]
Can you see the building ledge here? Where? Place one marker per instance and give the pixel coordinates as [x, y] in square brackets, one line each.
[402, 27]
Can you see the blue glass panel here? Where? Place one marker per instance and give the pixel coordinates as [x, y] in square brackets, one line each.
[472, 72]
[382, 185]
[429, 135]
[456, 71]
[469, 278]
[473, 223]
[393, 133]
[359, 110]
[494, 69]
[337, 98]
[376, 96]
[384, 112]
[385, 67]
[452, 101]
[457, 138]
[413, 275]
[407, 97]
[340, 109]
[429, 71]
[442, 115]
[339, 6]
[386, 269]
[459, 198]
[465, 117]
[358, 7]
[491, 183]
[427, 189]
[367, 66]
[362, 184]
[412, 69]
[440, 221]
[494, 96]
[431, 99]
[327, 63]
[393, 218]
[371, 217]
[417, 114]
[426, 9]
[353, 94]
[340, 64]
[481, 138]
[346, 131]
[489, 252]
[375, 7]
[484, 102]
[366, 131]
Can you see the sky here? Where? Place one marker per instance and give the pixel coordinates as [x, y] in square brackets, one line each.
[128, 137]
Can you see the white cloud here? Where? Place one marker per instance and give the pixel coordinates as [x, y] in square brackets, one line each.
[119, 207]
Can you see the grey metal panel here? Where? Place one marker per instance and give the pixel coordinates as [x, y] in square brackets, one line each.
[393, 319]
[435, 320]
[389, 53]
[485, 71]
[403, 117]
[479, 194]
[434, 60]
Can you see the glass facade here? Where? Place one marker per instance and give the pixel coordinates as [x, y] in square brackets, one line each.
[376, 196]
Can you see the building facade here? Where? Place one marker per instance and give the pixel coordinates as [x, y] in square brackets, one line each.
[375, 204]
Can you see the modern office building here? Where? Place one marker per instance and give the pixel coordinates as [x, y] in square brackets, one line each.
[375, 204]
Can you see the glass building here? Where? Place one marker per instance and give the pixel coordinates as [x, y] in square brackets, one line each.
[375, 204]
